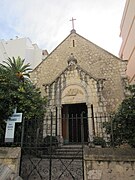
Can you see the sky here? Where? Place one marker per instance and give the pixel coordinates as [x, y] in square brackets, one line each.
[47, 22]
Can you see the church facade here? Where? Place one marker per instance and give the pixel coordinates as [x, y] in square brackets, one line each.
[78, 79]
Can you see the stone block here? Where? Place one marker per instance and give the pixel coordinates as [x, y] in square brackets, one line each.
[7, 173]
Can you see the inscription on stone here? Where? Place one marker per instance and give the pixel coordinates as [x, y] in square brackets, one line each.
[73, 92]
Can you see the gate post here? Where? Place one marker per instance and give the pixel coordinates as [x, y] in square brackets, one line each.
[22, 141]
[56, 121]
[82, 141]
[22, 134]
[50, 167]
[82, 129]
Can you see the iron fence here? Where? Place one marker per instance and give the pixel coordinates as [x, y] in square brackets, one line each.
[50, 157]
[31, 133]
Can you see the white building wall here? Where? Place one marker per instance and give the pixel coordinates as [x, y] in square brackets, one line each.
[37, 55]
[3, 54]
[22, 47]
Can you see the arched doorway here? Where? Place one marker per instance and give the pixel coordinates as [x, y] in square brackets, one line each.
[73, 115]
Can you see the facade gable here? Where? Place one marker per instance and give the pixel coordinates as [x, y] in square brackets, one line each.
[76, 76]
[90, 58]
[74, 85]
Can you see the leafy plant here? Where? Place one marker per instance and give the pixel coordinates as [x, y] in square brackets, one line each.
[53, 140]
[16, 90]
[122, 125]
[99, 141]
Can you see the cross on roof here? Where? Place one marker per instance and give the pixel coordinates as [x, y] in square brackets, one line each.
[72, 22]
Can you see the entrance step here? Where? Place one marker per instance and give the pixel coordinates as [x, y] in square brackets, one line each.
[65, 152]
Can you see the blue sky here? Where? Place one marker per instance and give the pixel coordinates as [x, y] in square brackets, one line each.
[46, 22]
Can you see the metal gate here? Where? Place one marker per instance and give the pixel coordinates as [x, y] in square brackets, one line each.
[51, 160]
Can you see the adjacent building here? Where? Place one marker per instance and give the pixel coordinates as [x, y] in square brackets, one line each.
[127, 50]
[22, 47]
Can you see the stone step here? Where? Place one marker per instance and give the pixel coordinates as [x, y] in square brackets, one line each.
[67, 150]
[68, 153]
[75, 146]
[54, 156]
[78, 153]
[64, 152]
[63, 155]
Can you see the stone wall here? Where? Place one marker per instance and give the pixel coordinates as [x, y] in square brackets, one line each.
[11, 158]
[108, 163]
[92, 60]
[99, 163]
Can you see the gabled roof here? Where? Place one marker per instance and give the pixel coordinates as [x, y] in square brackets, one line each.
[90, 58]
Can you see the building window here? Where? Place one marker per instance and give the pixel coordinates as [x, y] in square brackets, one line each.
[73, 43]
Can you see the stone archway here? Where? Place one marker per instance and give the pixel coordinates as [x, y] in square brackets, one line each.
[73, 105]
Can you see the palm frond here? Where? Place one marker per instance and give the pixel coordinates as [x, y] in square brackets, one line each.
[26, 74]
[14, 66]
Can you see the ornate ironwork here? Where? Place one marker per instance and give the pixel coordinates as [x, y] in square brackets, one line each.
[47, 159]
[51, 162]
[62, 168]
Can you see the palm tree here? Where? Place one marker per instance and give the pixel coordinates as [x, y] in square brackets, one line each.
[16, 67]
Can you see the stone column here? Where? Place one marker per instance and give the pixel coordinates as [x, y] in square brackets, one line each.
[53, 93]
[90, 124]
[59, 124]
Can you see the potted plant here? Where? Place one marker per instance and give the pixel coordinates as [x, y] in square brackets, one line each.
[99, 141]
[50, 143]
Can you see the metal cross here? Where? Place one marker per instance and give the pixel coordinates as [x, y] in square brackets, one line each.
[72, 22]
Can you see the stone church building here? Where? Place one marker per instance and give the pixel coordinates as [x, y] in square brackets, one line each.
[79, 79]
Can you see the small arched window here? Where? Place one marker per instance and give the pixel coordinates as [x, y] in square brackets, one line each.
[73, 43]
